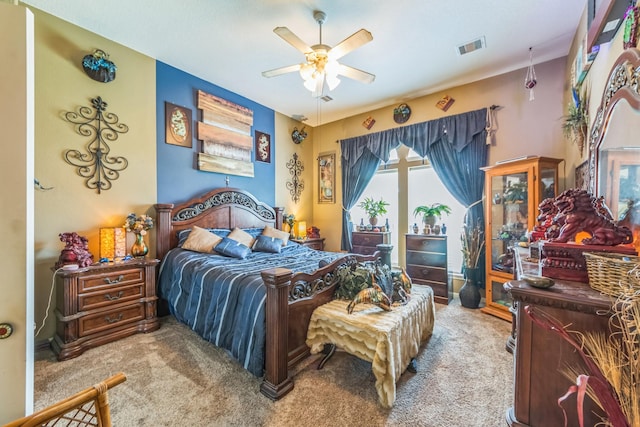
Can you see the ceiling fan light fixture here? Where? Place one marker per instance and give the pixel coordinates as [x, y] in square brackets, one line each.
[306, 71]
[332, 81]
[311, 83]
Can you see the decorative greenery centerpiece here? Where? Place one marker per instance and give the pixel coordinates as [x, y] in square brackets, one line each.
[516, 193]
[576, 121]
[472, 243]
[431, 212]
[373, 208]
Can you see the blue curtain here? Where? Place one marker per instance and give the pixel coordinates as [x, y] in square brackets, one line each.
[455, 146]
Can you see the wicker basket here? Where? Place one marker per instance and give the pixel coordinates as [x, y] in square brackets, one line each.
[613, 273]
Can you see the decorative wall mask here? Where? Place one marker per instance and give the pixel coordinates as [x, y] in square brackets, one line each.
[297, 136]
[97, 166]
[98, 67]
[296, 184]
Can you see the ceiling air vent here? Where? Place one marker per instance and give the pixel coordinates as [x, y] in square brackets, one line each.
[326, 98]
[469, 47]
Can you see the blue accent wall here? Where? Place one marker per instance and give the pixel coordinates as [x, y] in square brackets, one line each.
[178, 176]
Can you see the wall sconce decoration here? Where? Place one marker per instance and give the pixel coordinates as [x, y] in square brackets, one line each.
[445, 102]
[97, 166]
[401, 113]
[296, 184]
[298, 135]
[369, 122]
[98, 67]
[113, 243]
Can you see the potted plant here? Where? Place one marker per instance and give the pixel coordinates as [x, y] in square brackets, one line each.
[576, 121]
[431, 212]
[472, 243]
[373, 208]
[516, 193]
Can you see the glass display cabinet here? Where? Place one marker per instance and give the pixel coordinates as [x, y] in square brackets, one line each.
[513, 191]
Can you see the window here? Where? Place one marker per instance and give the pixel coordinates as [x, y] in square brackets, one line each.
[401, 182]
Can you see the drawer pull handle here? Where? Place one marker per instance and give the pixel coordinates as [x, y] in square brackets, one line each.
[425, 271]
[111, 282]
[113, 298]
[110, 320]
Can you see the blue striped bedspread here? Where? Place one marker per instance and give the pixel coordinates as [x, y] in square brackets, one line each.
[223, 299]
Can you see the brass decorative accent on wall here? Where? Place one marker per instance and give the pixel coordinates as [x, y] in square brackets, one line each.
[296, 184]
[96, 165]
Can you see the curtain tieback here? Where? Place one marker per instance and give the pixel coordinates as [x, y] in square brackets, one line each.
[474, 203]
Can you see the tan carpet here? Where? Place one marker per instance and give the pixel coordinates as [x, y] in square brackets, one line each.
[174, 378]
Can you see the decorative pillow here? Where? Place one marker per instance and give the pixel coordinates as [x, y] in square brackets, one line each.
[241, 236]
[232, 248]
[278, 234]
[201, 240]
[267, 244]
[184, 234]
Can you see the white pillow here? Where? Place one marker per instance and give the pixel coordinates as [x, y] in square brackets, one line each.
[201, 240]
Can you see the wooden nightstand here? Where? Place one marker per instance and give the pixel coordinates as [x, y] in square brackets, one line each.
[316, 243]
[102, 303]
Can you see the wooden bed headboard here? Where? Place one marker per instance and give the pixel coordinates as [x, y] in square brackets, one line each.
[220, 208]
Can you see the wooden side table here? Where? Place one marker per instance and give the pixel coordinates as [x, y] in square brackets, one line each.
[102, 303]
[316, 243]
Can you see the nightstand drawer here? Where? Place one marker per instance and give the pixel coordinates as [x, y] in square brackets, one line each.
[107, 320]
[423, 272]
[426, 244]
[367, 239]
[110, 296]
[117, 277]
[427, 258]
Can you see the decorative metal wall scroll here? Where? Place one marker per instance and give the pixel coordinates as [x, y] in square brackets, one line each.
[296, 184]
[96, 165]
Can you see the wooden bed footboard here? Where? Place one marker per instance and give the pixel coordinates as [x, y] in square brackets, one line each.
[291, 299]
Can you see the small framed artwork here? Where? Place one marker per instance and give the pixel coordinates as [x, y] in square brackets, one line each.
[327, 177]
[582, 176]
[263, 147]
[177, 125]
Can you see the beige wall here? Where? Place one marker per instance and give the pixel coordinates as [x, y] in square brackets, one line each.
[62, 86]
[524, 127]
[16, 199]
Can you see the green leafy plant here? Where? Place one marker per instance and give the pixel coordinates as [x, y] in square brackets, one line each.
[576, 121]
[373, 208]
[516, 192]
[431, 212]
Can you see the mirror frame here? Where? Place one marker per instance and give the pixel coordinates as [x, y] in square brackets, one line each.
[623, 83]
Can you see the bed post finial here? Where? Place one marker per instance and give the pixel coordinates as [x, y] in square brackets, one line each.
[226, 180]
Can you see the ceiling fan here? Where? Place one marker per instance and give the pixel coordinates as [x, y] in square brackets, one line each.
[321, 61]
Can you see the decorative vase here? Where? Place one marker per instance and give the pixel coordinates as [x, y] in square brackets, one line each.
[139, 248]
[469, 293]
[415, 228]
[436, 229]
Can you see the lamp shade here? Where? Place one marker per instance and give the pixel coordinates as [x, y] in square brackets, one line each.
[302, 229]
[113, 242]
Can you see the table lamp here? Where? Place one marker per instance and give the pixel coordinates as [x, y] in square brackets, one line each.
[302, 229]
[113, 241]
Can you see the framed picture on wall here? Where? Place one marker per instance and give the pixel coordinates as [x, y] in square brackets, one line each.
[327, 177]
[177, 125]
[263, 147]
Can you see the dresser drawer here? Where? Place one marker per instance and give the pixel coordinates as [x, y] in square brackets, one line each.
[427, 258]
[112, 295]
[109, 319]
[422, 272]
[439, 289]
[364, 250]
[426, 244]
[120, 277]
[367, 239]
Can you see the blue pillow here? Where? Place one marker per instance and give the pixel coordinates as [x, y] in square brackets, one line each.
[267, 244]
[230, 247]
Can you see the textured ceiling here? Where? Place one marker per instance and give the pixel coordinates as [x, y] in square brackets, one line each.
[413, 52]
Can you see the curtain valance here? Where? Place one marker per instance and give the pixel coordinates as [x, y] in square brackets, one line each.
[458, 130]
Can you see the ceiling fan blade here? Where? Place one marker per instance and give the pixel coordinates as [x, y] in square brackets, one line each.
[355, 74]
[292, 39]
[352, 42]
[281, 70]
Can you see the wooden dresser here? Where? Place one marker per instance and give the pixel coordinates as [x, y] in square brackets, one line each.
[541, 357]
[102, 303]
[427, 264]
[365, 242]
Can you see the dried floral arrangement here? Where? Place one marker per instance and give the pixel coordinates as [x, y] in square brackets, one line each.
[472, 244]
